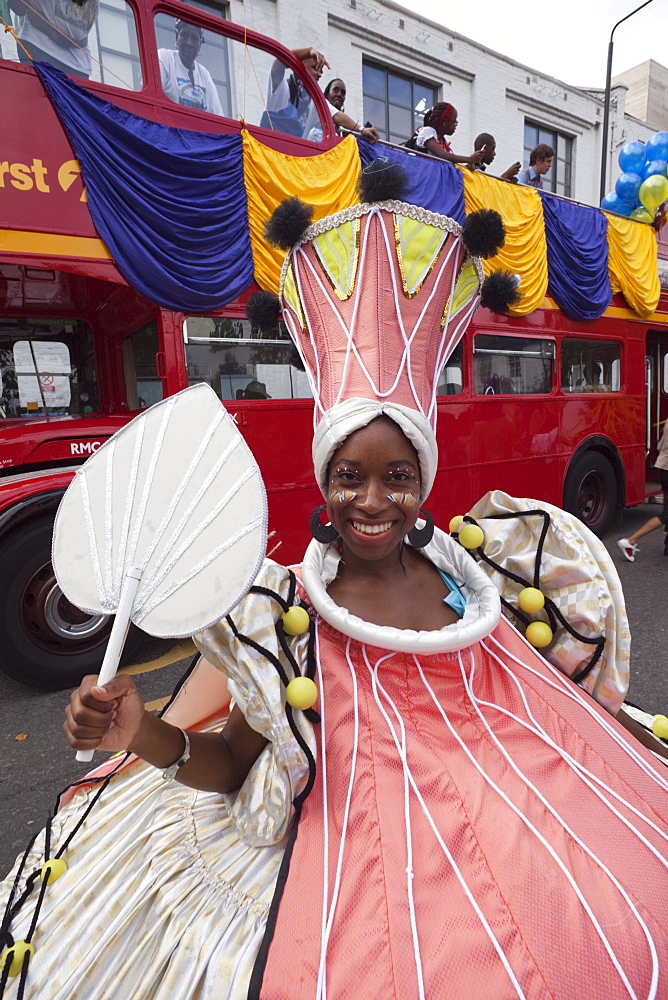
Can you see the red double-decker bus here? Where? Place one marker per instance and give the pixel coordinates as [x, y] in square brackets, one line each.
[539, 405]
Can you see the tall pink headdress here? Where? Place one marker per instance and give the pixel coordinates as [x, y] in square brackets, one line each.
[376, 298]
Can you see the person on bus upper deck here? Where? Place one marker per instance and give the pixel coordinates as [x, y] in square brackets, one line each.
[290, 108]
[335, 95]
[56, 31]
[540, 161]
[439, 121]
[184, 80]
[487, 143]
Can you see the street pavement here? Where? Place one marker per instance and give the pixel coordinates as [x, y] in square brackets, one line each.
[36, 762]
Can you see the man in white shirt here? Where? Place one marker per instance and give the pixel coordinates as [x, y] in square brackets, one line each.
[184, 79]
[56, 31]
[293, 110]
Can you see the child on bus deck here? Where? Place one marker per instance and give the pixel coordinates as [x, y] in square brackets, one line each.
[439, 121]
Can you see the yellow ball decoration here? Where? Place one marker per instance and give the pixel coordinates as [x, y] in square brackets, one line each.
[295, 620]
[660, 727]
[455, 522]
[531, 600]
[52, 870]
[301, 693]
[18, 952]
[539, 634]
[471, 536]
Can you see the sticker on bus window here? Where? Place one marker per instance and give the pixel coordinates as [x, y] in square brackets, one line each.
[43, 375]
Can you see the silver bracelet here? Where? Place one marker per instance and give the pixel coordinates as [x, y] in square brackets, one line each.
[170, 772]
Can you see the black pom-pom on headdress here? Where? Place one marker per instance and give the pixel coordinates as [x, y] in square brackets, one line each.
[383, 180]
[499, 291]
[483, 233]
[288, 223]
[263, 309]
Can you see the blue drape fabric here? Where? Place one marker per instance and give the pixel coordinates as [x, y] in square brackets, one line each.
[435, 184]
[577, 258]
[169, 204]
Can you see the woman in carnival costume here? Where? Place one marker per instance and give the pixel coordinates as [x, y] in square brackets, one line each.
[452, 816]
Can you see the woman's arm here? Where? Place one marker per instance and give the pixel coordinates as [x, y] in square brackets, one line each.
[113, 718]
[435, 148]
[345, 121]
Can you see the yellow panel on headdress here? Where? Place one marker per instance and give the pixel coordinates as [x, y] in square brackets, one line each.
[327, 181]
[632, 263]
[525, 250]
[418, 247]
[467, 286]
[338, 251]
[291, 295]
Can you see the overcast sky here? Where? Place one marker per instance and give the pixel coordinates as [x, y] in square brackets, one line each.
[567, 39]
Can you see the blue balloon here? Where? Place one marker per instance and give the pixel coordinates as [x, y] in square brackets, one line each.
[627, 187]
[656, 167]
[657, 146]
[632, 158]
[611, 203]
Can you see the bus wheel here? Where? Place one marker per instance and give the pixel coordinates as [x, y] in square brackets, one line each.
[48, 642]
[590, 491]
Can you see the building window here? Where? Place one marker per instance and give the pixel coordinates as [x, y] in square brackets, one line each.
[394, 103]
[512, 365]
[115, 48]
[558, 179]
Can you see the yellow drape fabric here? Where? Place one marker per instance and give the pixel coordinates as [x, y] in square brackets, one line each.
[632, 263]
[525, 251]
[327, 181]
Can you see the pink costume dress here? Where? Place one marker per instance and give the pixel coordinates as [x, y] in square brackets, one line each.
[477, 826]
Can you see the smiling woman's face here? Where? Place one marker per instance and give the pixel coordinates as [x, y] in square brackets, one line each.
[373, 490]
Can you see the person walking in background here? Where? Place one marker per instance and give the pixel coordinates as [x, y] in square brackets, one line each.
[540, 161]
[628, 545]
[439, 121]
[487, 143]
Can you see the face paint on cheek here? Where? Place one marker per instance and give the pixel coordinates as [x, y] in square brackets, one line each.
[407, 499]
[342, 496]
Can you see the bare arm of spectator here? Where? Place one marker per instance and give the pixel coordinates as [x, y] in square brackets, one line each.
[511, 173]
[435, 148]
[341, 119]
[278, 68]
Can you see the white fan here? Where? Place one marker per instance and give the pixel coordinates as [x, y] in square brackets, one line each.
[165, 525]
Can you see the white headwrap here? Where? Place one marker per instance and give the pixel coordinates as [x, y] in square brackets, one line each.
[339, 422]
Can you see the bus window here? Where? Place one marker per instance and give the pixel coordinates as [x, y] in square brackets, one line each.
[47, 368]
[202, 69]
[143, 386]
[239, 362]
[88, 39]
[451, 382]
[590, 365]
[504, 365]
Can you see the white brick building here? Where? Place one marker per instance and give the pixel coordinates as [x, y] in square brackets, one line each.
[371, 42]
